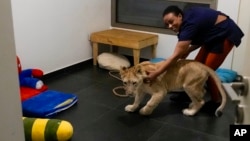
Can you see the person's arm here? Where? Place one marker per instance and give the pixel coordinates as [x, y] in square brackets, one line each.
[190, 49]
[193, 47]
[180, 49]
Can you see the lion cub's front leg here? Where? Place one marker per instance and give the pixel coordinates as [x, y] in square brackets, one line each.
[152, 104]
[137, 101]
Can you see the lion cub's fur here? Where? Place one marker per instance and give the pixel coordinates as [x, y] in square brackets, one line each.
[186, 74]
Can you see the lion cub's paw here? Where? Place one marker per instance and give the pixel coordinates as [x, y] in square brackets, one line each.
[130, 108]
[188, 112]
[145, 111]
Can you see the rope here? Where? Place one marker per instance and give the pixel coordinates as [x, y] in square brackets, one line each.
[118, 87]
[113, 75]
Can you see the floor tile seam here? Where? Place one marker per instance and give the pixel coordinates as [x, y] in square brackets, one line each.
[99, 104]
[160, 121]
[115, 108]
[94, 84]
[83, 89]
[191, 129]
[155, 133]
[168, 123]
[105, 83]
[102, 83]
[103, 105]
[98, 118]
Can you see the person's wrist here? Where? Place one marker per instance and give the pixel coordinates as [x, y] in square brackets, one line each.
[157, 73]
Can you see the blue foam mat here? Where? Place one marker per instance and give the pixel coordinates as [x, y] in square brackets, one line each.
[48, 103]
[155, 60]
[226, 75]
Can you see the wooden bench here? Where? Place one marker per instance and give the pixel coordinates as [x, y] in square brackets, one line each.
[124, 38]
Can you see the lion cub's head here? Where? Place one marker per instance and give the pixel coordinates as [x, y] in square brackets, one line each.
[132, 78]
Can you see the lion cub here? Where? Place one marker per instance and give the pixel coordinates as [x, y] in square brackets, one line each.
[186, 74]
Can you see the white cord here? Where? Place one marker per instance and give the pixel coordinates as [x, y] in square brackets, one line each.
[119, 87]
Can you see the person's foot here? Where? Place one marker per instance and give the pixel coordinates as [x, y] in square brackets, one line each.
[179, 97]
[210, 107]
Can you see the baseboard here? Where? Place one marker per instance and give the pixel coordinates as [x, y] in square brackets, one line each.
[68, 69]
[80, 66]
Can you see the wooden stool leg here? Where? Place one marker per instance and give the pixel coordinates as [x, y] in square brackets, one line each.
[95, 53]
[153, 50]
[136, 54]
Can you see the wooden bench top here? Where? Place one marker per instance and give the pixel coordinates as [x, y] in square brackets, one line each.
[124, 38]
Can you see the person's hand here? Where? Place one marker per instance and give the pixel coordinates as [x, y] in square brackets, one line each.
[152, 75]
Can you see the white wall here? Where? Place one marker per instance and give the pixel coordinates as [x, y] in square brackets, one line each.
[53, 34]
[11, 124]
[241, 61]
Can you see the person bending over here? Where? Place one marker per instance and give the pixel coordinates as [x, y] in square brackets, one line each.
[212, 31]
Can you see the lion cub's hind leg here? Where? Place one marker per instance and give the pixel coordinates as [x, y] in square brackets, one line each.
[196, 95]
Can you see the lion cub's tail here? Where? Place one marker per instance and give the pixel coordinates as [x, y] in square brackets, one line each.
[217, 81]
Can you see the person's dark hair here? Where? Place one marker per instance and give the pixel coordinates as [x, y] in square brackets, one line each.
[172, 9]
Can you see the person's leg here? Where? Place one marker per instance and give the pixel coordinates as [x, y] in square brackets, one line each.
[214, 60]
[202, 55]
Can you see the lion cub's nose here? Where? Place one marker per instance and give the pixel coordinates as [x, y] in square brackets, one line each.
[130, 94]
[146, 81]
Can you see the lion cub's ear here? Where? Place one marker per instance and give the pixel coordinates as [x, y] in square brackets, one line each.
[140, 70]
[123, 69]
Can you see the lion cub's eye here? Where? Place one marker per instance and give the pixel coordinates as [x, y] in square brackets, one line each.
[124, 83]
[134, 83]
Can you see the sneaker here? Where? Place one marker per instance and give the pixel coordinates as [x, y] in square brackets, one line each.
[179, 97]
